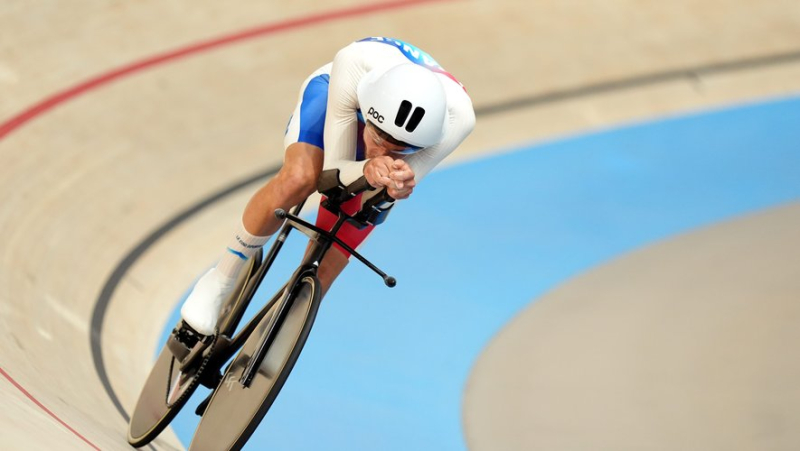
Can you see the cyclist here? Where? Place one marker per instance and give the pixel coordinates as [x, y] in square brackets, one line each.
[383, 109]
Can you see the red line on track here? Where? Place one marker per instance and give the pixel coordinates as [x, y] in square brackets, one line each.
[41, 406]
[54, 100]
[61, 97]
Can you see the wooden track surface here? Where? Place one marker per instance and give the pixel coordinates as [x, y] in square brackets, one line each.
[688, 344]
[85, 182]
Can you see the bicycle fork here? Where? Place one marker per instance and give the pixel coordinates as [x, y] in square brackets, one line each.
[272, 331]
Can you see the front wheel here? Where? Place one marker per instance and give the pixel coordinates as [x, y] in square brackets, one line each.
[235, 411]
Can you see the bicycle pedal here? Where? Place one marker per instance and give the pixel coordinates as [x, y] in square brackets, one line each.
[183, 340]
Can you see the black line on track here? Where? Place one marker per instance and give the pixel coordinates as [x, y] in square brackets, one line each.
[693, 74]
[101, 306]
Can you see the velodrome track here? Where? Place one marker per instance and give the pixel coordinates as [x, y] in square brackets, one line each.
[108, 134]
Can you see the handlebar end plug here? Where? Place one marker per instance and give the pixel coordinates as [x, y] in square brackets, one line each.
[280, 213]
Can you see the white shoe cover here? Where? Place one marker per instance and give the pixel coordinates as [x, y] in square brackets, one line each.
[202, 307]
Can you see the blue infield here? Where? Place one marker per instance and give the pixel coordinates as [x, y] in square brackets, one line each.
[385, 369]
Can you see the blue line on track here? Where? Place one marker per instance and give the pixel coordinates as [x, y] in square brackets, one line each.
[386, 368]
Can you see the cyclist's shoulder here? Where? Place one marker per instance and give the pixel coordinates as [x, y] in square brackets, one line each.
[384, 51]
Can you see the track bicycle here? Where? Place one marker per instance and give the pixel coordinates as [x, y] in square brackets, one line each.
[265, 348]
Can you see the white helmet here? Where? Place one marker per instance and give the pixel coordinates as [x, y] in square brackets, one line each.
[406, 101]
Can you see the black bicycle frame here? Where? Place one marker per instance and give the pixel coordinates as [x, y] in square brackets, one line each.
[321, 242]
[252, 285]
[228, 346]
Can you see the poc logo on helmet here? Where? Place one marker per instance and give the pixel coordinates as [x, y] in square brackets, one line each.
[375, 115]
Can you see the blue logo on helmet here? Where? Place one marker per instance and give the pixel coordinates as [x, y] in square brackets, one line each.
[413, 53]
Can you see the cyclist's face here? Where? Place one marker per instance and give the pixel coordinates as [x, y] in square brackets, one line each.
[377, 146]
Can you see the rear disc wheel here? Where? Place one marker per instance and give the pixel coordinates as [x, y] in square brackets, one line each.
[235, 411]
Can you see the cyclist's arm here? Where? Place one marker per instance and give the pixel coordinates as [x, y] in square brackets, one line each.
[460, 123]
[341, 124]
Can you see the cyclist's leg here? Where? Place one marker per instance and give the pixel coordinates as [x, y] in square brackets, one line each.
[329, 269]
[336, 259]
[296, 180]
[334, 263]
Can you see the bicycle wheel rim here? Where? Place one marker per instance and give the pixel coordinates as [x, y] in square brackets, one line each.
[162, 398]
[153, 413]
[234, 411]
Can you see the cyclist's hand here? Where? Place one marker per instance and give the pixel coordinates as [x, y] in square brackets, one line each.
[402, 193]
[377, 171]
[403, 182]
[386, 171]
[396, 175]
